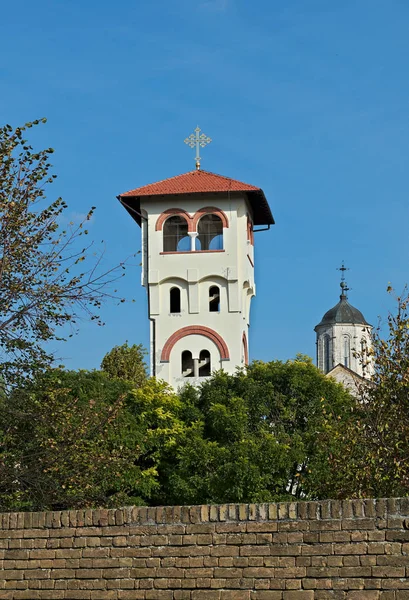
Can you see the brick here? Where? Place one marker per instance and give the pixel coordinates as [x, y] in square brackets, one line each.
[299, 595]
[261, 527]
[266, 595]
[213, 513]
[358, 548]
[355, 572]
[282, 510]
[393, 561]
[253, 512]
[235, 595]
[397, 536]
[388, 571]
[272, 512]
[363, 595]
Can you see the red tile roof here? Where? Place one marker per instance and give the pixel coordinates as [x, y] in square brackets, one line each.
[199, 182]
[193, 182]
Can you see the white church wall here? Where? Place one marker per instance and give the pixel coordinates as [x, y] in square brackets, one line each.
[356, 335]
[350, 380]
[194, 273]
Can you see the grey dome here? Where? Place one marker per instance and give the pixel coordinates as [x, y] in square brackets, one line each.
[343, 312]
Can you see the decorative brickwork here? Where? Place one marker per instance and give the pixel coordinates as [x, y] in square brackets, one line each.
[352, 550]
[210, 210]
[195, 330]
[191, 221]
[174, 212]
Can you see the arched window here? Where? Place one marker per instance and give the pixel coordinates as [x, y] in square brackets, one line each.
[210, 233]
[346, 351]
[175, 300]
[187, 364]
[204, 363]
[326, 348]
[214, 299]
[175, 237]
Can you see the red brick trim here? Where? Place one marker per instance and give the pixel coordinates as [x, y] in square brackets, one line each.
[245, 348]
[195, 330]
[210, 210]
[171, 212]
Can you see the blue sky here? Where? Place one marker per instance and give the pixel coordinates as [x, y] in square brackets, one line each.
[308, 100]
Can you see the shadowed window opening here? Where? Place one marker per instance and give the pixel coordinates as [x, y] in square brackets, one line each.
[346, 351]
[175, 300]
[204, 363]
[326, 354]
[175, 237]
[210, 233]
[187, 364]
[214, 299]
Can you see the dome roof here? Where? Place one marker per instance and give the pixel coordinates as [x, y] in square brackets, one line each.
[343, 312]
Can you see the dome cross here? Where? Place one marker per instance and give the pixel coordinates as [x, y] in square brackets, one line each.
[343, 284]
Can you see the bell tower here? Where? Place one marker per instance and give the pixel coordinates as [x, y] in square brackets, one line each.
[198, 268]
[342, 333]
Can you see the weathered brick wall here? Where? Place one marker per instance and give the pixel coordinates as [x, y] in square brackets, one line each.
[312, 550]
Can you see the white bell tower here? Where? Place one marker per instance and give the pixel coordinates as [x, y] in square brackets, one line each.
[198, 268]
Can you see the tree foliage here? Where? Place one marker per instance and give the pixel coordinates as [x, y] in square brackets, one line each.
[44, 284]
[252, 437]
[371, 449]
[77, 439]
[126, 363]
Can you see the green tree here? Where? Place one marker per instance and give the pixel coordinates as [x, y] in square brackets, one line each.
[47, 278]
[252, 437]
[126, 363]
[370, 455]
[77, 439]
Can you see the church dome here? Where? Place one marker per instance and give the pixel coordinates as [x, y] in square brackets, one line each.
[343, 312]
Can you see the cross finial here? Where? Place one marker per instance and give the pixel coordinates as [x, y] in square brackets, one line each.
[343, 284]
[200, 140]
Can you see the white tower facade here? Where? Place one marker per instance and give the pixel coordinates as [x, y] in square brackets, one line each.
[198, 268]
[342, 333]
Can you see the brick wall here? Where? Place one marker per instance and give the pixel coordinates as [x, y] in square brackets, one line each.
[310, 550]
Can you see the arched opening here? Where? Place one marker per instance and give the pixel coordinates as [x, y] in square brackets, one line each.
[347, 351]
[187, 364]
[210, 233]
[175, 237]
[204, 363]
[175, 300]
[327, 349]
[211, 334]
[214, 299]
[245, 349]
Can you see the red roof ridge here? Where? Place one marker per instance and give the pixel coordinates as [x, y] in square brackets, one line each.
[253, 187]
[199, 182]
[144, 190]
